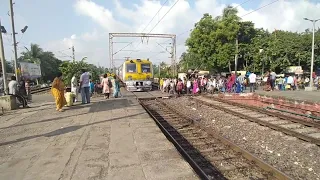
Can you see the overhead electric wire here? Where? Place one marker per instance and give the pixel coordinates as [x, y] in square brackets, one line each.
[159, 21]
[155, 15]
[123, 48]
[259, 8]
[244, 2]
[248, 12]
[145, 26]
[164, 16]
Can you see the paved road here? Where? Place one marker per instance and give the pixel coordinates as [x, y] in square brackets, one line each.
[41, 98]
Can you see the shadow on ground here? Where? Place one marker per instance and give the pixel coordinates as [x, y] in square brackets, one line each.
[64, 130]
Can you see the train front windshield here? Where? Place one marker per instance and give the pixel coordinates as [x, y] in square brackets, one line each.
[131, 68]
[145, 68]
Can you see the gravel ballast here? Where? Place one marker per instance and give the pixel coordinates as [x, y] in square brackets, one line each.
[296, 158]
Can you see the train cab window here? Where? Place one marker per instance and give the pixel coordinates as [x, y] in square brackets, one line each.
[131, 68]
[145, 68]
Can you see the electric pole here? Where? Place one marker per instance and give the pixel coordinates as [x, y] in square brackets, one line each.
[73, 56]
[236, 58]
[3, 63]
[14, 41]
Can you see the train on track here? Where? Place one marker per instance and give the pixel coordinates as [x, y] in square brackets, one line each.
[137, 74]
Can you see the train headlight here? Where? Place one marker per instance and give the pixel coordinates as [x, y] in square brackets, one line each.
[129, 78]
[148, 77]
[148, 83]
[130, 83]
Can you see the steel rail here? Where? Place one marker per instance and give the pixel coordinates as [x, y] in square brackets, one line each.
[33, 91]
[261, 122]
[294, 113]
[210, 173]
[264, 111]
[263, 165]
[285, 105]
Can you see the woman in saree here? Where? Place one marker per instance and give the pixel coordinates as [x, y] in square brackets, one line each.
[58, 92]
[195, 88]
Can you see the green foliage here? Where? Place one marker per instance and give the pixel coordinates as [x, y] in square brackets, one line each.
[212, 46]
[69, 69]
[49, 64]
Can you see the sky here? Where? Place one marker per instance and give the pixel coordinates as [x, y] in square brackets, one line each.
[85, 24]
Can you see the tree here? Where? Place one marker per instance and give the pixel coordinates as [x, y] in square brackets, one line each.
[211, 46]
[70, 69]
[49, 64]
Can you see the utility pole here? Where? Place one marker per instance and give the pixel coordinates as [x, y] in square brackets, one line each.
[311, 88]
[236, 58]
[73, 56]
[159, 70]
[14, 41]
[174, 52]
[3, 63]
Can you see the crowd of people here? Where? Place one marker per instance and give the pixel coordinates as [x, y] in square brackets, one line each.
[199, 84]
[288, 81]
[235, 84]
[194, 84]
[85, 86]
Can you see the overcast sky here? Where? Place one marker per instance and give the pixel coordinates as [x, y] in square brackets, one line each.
[56, 25]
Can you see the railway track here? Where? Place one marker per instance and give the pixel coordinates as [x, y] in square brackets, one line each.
[211, 156]
[40, 90]
[305, 130]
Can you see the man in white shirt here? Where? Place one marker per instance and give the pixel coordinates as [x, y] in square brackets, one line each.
[252, 80]
[188, 86]
[85, 86]
[13, 86]
[74, 87]
[290, 81]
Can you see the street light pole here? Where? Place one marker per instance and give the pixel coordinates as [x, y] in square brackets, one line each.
[14, 41]
[3, 63]
[312, 51]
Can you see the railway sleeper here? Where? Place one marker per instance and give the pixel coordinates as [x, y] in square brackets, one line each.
[196, 154]
[203, 143]
[232, 167]
[183, 128]
[221, 157]
[267, 112]
[273, 125]
[195, 138]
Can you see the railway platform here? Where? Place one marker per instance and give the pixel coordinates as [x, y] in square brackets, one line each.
[107, 139]
[299, 95]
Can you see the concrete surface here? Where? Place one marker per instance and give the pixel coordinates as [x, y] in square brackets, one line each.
[8, 102]
[107, 139]
[300, 95]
